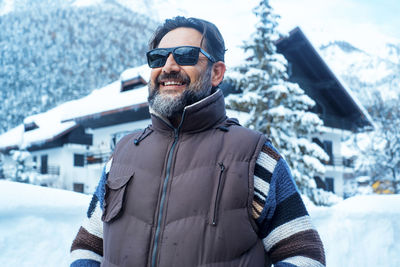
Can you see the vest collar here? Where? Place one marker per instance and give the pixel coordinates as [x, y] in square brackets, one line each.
[197, 117]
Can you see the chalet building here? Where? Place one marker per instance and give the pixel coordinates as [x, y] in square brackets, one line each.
[69, 144]
[340, 111]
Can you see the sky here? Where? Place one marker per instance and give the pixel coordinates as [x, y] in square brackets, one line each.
[367, 24]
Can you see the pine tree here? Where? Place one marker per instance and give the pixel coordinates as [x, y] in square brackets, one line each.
[277, 107]
[379, 150]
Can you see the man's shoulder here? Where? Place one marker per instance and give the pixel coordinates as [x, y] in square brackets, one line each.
[128, 138]
[232, 124]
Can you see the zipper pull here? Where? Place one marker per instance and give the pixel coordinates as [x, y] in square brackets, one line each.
[221, 165]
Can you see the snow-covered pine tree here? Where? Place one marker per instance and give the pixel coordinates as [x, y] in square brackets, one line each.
[277, 107]
[379, 150]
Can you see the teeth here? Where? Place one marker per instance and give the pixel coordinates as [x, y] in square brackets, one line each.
[172, 83]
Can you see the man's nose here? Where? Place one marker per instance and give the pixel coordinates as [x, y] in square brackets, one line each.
[170, 65]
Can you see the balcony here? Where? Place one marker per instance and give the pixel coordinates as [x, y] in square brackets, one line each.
[47, 175]
[339, 161]
[51, 170]
[97, 158]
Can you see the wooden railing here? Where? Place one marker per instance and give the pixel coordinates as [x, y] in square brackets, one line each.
[53, 170]
[97, 158]
[340, 161]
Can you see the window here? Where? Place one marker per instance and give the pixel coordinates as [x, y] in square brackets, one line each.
[326, 184]
[43, 164]
[327, 147]
[132, 83]
[329, 184]
[30, 126]
[79, 160]
[78, 187]
[34, 162]
[320, 183]
[328, 150]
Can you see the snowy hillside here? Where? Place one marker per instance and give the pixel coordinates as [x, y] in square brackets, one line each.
[37, 226]
[362, 72]
[55, 51]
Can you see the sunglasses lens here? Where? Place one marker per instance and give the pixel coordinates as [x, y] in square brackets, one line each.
[183, 55]
[186, 55]
[156, 58]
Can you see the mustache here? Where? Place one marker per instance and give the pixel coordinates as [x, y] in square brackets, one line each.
[174, 76]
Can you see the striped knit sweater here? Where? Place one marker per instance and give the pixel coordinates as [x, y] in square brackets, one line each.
[286, 229]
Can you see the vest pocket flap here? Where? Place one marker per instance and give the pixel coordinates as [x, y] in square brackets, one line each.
[119, 181]
[115, 191]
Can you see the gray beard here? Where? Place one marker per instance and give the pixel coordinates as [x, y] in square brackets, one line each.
[172, 106]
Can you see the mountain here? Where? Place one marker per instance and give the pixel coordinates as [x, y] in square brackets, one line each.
[365, 73]
[52, 51]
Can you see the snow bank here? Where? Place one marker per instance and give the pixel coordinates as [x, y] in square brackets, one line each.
[37, 225]
[361, 231]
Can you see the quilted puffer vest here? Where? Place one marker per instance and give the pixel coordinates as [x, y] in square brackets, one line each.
[181, 197]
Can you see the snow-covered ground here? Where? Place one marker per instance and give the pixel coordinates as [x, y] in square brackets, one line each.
[37, 226]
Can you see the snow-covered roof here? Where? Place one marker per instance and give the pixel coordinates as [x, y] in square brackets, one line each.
[12, 138]
[109, 97]
[61, 119]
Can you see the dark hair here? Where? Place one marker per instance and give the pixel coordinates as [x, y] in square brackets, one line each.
[214, 42]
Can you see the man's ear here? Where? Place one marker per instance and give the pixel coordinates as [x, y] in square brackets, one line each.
[217, 73]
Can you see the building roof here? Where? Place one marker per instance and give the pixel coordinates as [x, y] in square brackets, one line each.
[335, 103]
[101, 103]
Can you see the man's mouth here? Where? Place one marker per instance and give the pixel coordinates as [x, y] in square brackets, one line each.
[172, 83]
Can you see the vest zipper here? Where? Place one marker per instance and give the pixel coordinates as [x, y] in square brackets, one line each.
[164, 191]
[222, 169]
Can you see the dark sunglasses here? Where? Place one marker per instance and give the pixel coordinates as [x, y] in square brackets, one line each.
[183, 55]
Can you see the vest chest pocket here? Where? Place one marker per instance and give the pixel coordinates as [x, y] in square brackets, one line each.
[114, 196]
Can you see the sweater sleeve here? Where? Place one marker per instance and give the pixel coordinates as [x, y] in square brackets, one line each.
[286, 230]
[87, 247]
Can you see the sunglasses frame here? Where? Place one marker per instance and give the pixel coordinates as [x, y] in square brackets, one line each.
[172, 50]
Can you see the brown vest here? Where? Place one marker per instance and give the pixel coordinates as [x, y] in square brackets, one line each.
[182, 197]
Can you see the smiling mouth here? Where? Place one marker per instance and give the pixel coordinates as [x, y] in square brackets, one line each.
[172, 83]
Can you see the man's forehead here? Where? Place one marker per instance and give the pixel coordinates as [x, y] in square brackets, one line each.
[181, 36]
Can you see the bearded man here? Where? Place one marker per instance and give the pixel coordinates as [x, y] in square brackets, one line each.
[194, 188]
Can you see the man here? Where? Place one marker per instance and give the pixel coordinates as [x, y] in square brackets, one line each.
[194, 188]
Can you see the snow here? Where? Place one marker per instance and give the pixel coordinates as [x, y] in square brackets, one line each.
[104, 99]
[143, 71]
[83, 3]
[242, 117]
[12, 137]
[361, 231]
[110, 97]
[38, 225]
[60, 119]
[45, 133]
[6, 6]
